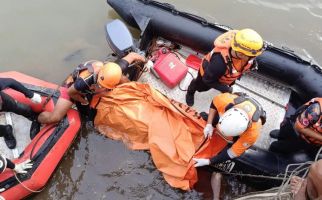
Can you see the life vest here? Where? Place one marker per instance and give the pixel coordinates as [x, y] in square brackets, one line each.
[95, 101]
[241, 100]
[234, 68]
[317, 127]
[254, 110]
[85, 71]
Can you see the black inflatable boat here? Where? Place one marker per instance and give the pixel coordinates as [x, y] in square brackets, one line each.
[303, 77]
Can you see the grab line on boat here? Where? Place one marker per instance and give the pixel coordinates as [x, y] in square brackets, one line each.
[27, 188]
[264, 97]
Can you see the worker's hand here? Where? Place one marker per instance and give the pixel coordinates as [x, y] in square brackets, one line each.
[36, 98]
[208, 130]
[201, 162]
[132, 56]
[21, 167]
[298, 184]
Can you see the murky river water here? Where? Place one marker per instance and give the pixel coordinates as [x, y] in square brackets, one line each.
[47, 39]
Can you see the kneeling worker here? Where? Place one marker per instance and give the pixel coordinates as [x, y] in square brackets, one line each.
[237, 117]
[88, 79]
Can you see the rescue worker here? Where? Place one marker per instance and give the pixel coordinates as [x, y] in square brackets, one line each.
[89, 79]
[307, 123]
[8, 104]
[237, 117]
[233, 54]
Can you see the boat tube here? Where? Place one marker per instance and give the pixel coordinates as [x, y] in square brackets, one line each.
[303, 77]
[46, 149]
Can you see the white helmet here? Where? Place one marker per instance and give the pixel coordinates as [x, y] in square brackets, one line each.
[233, 122]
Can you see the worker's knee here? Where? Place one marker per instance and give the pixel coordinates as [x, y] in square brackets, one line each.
[50, 117]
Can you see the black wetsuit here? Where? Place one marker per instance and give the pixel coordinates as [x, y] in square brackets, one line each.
[214, 69]
[9, 104]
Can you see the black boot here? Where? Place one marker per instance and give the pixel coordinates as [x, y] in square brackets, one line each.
[275, 134]
[204, 116]
[34, 129]
[8, 136]
[190, 98]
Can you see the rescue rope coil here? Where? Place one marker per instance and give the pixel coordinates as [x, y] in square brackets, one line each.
[26, 187]
[283, 191]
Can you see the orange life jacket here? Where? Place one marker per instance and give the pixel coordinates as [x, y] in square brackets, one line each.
[254, 110]
[241, 100]
[317, 127]
[84, 71]
[234, 68]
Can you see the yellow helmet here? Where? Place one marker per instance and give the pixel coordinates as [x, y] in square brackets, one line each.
[109, 75]
[248, 42]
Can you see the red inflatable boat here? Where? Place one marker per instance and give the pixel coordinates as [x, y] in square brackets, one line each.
[45, 150]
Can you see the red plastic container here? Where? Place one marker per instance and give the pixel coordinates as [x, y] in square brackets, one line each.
[193, 61]
[170, 69]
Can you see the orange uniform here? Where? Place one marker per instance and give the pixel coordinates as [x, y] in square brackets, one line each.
[225, 101]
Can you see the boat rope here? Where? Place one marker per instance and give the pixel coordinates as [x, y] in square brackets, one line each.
[262, 96]
[263, 195]
[32, 158]
[253, 176]
[26, 187]
[284, 190]
[295, 172]
[282, 177]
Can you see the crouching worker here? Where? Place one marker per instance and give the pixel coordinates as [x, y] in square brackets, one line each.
[237, 117]
[87, 80]
[307, 123]
[8, 104]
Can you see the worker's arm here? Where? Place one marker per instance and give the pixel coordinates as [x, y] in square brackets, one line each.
[76, 95]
